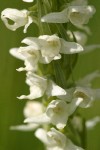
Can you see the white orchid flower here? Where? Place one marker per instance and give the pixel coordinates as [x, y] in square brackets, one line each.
[19, 18]
[47, 47]
[55, 140]
[86, 94]
[31, 109]
[83, 91]
[31, 58]
[39, 85]
[43, 49]
[50, 47]
[56, 113]
[78, 15]
[27, 54]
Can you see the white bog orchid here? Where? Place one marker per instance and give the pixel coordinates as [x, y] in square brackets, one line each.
[39, 85]
[83, 91]
[31, 109]
[31, 56]
[19, 18]
[56, 113]
[77, 13]
[27, 54]
[55, 140]
[43, 49]
[50, 47]
[80, 15]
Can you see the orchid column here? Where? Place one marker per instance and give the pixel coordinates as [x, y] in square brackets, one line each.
[49, 61]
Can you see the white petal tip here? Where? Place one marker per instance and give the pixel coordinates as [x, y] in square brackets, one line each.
[22, 97]
[42, 20]
[20, 69]
[25, 121]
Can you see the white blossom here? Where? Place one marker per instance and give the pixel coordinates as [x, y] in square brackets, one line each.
[50, 47]
[19, 18]
[39, 85]
[43, 49]
[77, 14]
[57, 113]
[83, 90]
[80, 15]
[55, 140]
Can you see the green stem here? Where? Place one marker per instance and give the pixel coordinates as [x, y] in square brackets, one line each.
[59, 74]
[83, 135]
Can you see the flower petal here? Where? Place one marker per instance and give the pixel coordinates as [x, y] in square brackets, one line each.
[30, 20]
[28, 127]
[57, 112]
[54, 90]
[56, 17]
[41, 119]
[14, 52]
[19, 18]
[70, 47]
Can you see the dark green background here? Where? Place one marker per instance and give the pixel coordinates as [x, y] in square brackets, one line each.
[12, 83]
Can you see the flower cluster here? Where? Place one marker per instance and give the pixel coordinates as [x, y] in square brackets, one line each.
[49, 61]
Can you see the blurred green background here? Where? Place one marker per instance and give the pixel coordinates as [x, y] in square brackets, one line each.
[12, 83]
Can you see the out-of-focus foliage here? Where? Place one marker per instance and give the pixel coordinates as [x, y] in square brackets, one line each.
[12, 83]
